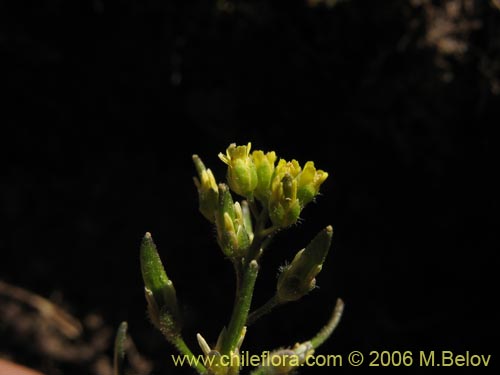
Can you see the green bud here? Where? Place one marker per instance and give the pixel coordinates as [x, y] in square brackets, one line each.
[243, 240]
[232, 234]
[241, 172]
[264, 164]
[284, 207]
[309, 182]
[160, 291]
[224, 221]
[298, 278]
[207, 190]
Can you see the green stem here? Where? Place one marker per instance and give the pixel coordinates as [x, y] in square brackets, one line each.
[238, 270]
[261, 220]
[260, 242]
[241, 308]
[266, 233]
[254, 209]
[261, 234]
[263, 310]
[182, 347]
[328, 329]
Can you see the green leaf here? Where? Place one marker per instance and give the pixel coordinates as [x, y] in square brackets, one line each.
[119, 352]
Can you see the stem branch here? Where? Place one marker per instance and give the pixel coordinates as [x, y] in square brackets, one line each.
[262, 310]
[182, 347]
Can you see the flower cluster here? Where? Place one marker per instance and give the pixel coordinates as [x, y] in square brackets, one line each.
[274, 191]
[284, 189]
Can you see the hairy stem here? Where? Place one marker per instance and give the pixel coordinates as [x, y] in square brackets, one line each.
[259, 243]
[238, 271]
[241, 308]
[328, 329]
[182, 347]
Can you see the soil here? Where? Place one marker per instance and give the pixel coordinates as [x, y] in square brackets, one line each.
[7, 367]
[106, 103]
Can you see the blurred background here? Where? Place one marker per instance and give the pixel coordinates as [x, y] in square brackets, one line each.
[105, 102]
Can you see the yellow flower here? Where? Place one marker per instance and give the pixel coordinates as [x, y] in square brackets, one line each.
[309, 181]
[292, 188]
[241, 173]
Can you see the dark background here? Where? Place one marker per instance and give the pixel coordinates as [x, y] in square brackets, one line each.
[105, 102]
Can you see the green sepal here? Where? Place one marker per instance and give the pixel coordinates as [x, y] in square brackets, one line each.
[247, 219]
[226, 203]
[224, 220]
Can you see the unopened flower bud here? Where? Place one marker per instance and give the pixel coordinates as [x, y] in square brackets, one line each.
[309, 181]
[298, 278]
[208, 192]
[264, 164]
[160, 291]
[284, 207]
[232, 235]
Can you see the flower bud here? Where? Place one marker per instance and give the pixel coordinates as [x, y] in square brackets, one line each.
[291, 189]
[232, 234]
[264, 164]
[298, 278]
[208, 192]
[241, 173]
[284, 207]
[160, 291]
[309, 181]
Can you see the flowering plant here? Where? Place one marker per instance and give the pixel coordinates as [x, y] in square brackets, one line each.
[274, 194]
